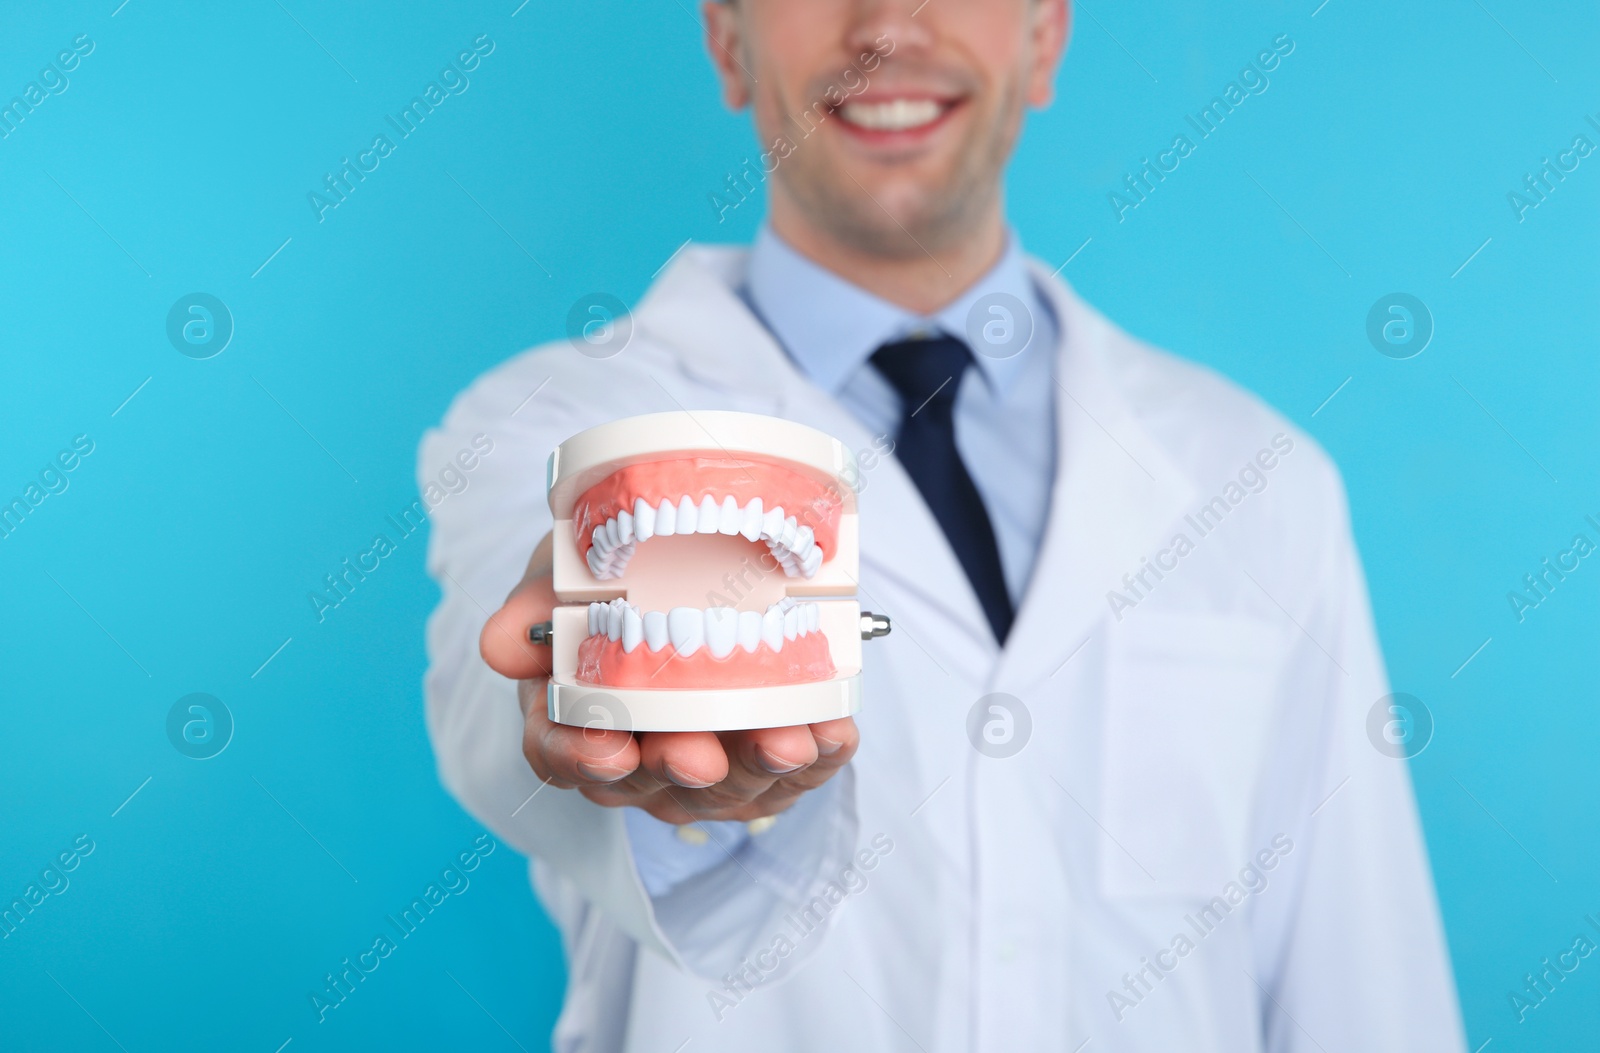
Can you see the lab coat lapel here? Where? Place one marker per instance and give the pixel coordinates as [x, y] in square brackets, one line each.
[1115, 499]
[693, 310]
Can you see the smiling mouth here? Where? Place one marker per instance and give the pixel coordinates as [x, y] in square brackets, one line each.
[896, 120]
[893, 115]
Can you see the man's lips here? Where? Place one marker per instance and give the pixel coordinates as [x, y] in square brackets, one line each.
[895, 120]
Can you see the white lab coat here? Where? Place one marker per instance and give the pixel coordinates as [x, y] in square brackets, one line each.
[1199, 723]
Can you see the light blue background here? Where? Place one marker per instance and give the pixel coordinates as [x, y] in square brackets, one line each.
[181, 556]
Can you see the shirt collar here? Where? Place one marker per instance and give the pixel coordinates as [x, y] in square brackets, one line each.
[830, 327]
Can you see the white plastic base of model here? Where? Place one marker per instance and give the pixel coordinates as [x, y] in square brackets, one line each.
[731, 709]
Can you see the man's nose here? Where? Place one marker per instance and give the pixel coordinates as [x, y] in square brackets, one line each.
[891, 26]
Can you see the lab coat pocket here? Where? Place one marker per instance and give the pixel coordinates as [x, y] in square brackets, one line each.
[1190, 708]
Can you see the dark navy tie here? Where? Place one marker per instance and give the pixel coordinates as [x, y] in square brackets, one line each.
[926, 374]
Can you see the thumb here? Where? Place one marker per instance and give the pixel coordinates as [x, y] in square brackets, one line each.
[504, 642]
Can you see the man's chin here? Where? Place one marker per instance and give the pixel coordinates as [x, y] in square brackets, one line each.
[903, 217]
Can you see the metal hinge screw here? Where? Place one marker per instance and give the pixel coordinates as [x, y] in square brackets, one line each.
[874, 625]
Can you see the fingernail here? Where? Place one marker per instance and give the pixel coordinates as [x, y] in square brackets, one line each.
[600, 774]
[827, 747]
[684, 780]
[773, 764]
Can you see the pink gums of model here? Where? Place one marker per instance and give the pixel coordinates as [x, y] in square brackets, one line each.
[602, 660]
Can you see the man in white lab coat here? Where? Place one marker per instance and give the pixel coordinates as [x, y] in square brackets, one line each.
[1112, 787]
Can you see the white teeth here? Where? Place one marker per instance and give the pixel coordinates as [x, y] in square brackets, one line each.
[686, 628]
[794, 546]
[729, 518]
[722, 631]
[708, 516]
[644, 520]
[655, 630]
[632, 629]
[897, 115]
[749, 631]
[750, 520]
[772, 628]
[718, 629]
[605, 559]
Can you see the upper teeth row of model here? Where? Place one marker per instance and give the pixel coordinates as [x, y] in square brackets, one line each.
[794, 545]
[894, 116]
[718, 629]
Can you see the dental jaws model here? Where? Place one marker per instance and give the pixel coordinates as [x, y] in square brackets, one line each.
[705, 571]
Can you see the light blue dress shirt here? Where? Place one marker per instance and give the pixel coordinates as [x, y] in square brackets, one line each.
[1005, 431]
[1004, 413]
